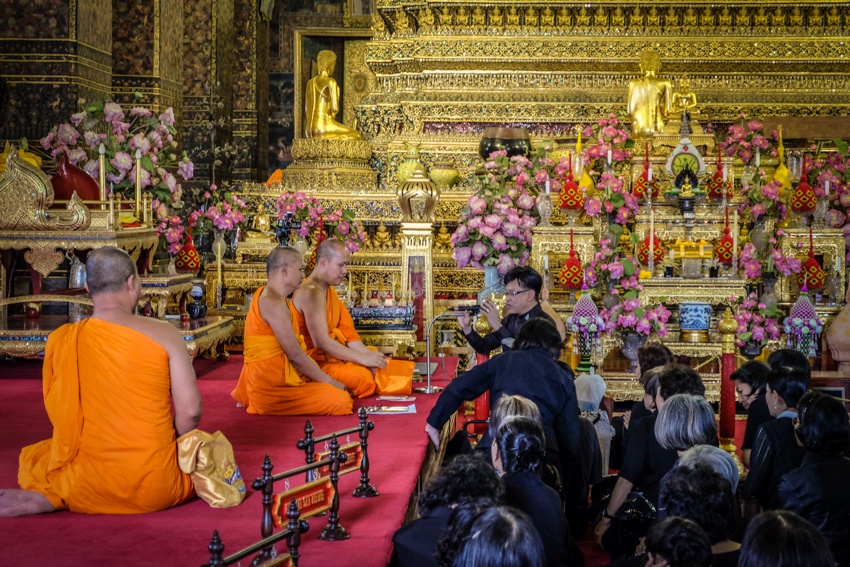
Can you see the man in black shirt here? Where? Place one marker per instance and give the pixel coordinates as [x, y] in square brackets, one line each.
[522, 301]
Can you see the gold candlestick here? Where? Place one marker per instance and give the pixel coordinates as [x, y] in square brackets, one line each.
[101, 174]
[138, 185]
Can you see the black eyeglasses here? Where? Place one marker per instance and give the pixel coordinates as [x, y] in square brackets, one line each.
[513, 293]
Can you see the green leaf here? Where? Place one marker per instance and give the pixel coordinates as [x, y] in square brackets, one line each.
[841, 145]
[24, 144]
[639, 312]
[147, 164]
[138, 95]
[745, 336]
[633, 237]
[617, 231]
[347, 215]
[228, 196]
[631, 294]
[617, 200]
[628, 268]
[630, 143]
[95, 108]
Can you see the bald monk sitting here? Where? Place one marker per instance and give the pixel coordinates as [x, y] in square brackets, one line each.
[327, 326]
[278, 376]
[109, 384]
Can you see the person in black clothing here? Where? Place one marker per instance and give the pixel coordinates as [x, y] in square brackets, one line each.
[467, 478]
[778, 538]
[750, 382]
[646, 461]
[518, 454]
[677, 542]
[792, 359]
[531, 370]
[818, 490]
[775, 451]
[522, 301]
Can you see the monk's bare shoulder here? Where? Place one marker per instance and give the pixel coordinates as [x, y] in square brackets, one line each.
[273, 307]
[309, 295]
[160, 331]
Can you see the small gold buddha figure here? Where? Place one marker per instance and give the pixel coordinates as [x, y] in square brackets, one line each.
[626, 246]
[563, 17]
[382, 239]
[426, 18]
[744, 18]
[797, 17]
[378, 26]
[479, 17]
[445, 17]
[462, 17]
[401, 22]
[761, 18]
[513, 18]
[262, 226]
[778, 17]
[724, 20]
[687, 189]
[547, 19]
[322, 103]
[618, 18]
[583, 18]
[653, 20]
[637, 19]
[496, 18]
[684, 100]
[690, 18]
[650, 98]
[833, 19]
[600, 18]
[706, 20]
[531, 17]
[815, 18]
[671, 18]
[443, 239]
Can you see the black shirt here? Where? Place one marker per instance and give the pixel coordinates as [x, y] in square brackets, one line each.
[509, 330]
[774, 454]
[415, 543]
[757, 414]
[525, 491]
[646, 461]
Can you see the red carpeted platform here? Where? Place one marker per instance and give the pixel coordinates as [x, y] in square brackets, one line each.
[397, 449]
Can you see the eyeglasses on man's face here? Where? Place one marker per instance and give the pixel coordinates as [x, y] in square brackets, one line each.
[515, 293]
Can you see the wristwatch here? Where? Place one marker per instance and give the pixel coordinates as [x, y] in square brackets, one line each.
[605, 514]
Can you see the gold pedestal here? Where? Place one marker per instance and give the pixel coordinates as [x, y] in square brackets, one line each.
[693, 336]
[337, 166]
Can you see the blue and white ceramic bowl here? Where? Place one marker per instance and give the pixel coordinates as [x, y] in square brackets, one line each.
[694, 316]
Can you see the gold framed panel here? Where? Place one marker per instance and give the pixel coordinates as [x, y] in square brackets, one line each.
[358, 13]
[299, 35]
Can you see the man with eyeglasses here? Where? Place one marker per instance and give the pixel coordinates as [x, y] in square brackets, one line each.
[522, 302]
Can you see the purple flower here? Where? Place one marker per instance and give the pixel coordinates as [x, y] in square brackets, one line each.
[493, 221]
[592, 207]
[122, 162]
[112, 113]
[505, 263]
[76, 155]
[140, 111]
[479, 250]
[167, 117]
[525, 201]
[477, 205]
[487, 231]
[510, 230]
[140, 142]
[499, 242]
[460, 234]
[67, 134]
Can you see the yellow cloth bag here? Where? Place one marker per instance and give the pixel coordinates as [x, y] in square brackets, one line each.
[209, 461]
[396, 379]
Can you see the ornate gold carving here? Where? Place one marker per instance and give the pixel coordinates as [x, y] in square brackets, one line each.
[323, 149]
[25, 196]
[828, 243]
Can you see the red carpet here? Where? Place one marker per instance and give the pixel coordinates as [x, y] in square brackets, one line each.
[179, 536]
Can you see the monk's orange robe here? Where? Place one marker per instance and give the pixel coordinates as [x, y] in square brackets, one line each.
[107, 391]
[356, 377]
[269, 384]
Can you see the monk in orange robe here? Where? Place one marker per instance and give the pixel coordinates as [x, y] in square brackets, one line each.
[276, 362]
[327, 325]
[109, 383]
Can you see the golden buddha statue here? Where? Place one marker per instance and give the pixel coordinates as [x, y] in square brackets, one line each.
[761, 18]
[513, 18]
[706, 20]
[778, 17]
[583, 18]
[401, 22]
[796, 17]
[462, 17]
[637, 19]
[531, 17]
[684, 100]
[600, 18]
[833, 19]
[653, 20]
[262, 226]
[445, 17]
[690, 19]
[443, 239]
[724, 20]
[618, 18]
[687, 189]
[322, 103]
[382, 239]
[649, 99]
[479, 17]
[563, 17]
[671, 18]
[815, 18]
[547, 19]
[744, 19]
[426, 18]
[496, 18]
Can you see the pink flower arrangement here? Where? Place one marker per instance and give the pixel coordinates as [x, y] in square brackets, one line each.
[631, 315]
[608, 134]
[762, 198]
[225, 210]
[774, 262]
[613, 199]
[743, 139]
[756, 323]
[608, 267]
[307, 211]
[495, 225]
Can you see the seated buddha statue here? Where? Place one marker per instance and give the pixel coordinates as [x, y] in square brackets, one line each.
[744, 19]
[443, 240]
[583, 18]
[690, 19]
[382, 239]
[401, 22]
[496, 17]
[513, 18]
[426, 18]
[833, 19]
[618, 18]
[262, 225]
[531, 17]
[706, 20]
[479, 17]
[637, 19]
[671, 18]
[547, 19]
[322, 103]
[650, 98]
[796, 17]
[653, 19]
[684, 100]
[761, 18]
[462, 17]
[778, 18]
[724, 20]
[445, 17]
[600, 18]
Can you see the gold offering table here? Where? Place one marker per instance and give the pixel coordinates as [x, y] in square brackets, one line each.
[22, 337]
[159, 289]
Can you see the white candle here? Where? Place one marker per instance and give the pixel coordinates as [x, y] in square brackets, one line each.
[826, 188]
[547, 186]
[724, 176]
[546, 262]
[758, 157]
[651, 260]
[139, 187]
[735, 239]
[609, 156]
[649, 175]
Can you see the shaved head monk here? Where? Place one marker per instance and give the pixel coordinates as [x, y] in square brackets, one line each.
[109, 384]
[327, 326]
[278, 376]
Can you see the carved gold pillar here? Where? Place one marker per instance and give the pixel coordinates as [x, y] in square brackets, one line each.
[728, 364]
[54, 53]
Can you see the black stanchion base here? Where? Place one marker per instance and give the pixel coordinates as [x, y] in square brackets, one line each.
[367, 491]
[334, 534]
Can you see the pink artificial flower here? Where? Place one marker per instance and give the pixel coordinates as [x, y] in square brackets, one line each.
[592, 207]
[67, 135]
[462, 255]
[76, 155]
[140, 142]
[477, 205]
[112, 113]
[835, 218]
[460, 234]
[493, 221]
[498, 242]
[140, 111]
[479, 250]
[487, 231]
[167, 117]
[505, 263]
[525, 201]
[122, 162]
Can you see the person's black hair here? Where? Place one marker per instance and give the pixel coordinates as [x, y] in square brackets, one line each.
[457, 529]
[498, 536]
[527, 277]
[650, 385]
[790, 383]
[793, 359]
[752, 373]
[702, 495]
[652, 356]
[779, 538]
[466, 478]
[680, 541]
[675, 378]
[540, 333]
[823, 424]
[521, 444]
